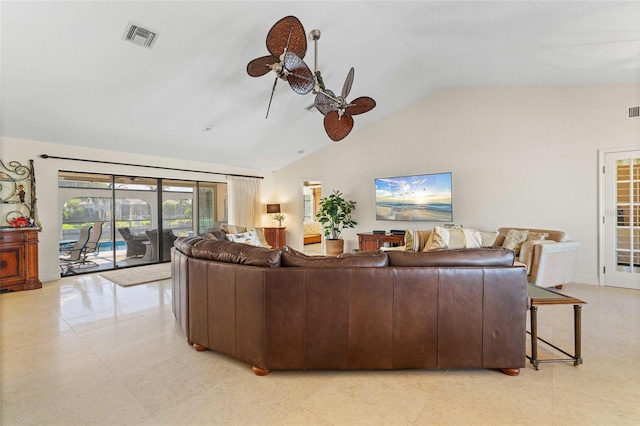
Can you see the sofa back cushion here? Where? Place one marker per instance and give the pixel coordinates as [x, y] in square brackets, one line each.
[494, 256]
[215, 234]
[228, 252]
[364, 259]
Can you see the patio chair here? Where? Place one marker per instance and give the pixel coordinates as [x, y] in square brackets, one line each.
[93, 245]
[135, 246]
[168, 237]
[76, 255]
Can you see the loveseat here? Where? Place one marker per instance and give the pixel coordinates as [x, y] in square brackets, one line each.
[283, 310]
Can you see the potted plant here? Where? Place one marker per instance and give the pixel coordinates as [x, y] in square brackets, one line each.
[335, 215]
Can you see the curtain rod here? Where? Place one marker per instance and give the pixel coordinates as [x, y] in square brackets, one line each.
[143, 165]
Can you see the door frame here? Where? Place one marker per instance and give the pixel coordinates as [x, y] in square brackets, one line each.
[601, 205]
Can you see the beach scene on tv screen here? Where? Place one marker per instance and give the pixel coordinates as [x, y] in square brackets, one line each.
[419, 197]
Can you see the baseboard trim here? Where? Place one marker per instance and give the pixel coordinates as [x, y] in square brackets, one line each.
[585, 279]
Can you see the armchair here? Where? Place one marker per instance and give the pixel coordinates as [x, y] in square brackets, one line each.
[549, 262]
[168, 237]
[135, 246]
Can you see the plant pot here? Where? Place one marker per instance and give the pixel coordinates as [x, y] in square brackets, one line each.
[334, 247]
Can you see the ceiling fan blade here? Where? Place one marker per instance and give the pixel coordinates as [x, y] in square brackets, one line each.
[360, 105]
[300, 77]
[288, 33]
[325, 104]
[337, 127]
[260, 66]
[271, 97]
[348, 83]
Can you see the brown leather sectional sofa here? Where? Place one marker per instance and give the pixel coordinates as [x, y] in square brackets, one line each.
[282, 310]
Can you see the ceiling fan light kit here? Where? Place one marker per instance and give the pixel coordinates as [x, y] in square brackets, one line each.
[287, 45]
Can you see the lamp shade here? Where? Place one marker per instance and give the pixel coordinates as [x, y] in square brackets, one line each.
[273, 208]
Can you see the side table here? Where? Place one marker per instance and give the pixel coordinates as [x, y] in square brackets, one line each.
[543, 296]
[276, 237]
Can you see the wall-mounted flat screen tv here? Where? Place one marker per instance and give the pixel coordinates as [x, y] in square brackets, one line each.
[415, 198]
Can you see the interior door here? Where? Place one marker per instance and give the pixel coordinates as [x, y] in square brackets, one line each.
[622, 219]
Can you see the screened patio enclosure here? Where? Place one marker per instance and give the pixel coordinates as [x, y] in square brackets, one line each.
[139, 217]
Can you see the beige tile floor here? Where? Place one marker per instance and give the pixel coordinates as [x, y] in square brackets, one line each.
[82, 351]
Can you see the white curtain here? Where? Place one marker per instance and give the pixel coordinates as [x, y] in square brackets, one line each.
[244, 201]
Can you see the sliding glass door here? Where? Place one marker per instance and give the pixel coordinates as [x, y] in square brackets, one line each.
[139, 217]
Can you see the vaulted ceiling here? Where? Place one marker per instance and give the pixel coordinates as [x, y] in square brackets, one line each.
[67, 75]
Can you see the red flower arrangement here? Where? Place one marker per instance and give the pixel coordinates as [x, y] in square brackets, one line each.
[20, 222]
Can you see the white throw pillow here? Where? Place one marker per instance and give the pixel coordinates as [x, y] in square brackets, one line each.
[488, 238]
[453, 238]
[245, 238]
[259, 234]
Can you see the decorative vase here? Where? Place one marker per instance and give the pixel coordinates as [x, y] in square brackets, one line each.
[334, 247]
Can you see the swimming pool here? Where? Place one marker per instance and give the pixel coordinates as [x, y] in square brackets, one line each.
[108, 245]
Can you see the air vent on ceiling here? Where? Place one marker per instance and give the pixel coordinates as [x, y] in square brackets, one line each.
[140, 36]
[633, 112]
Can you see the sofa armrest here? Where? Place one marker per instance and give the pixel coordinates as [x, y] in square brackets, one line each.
[552, 263]
[526, 252]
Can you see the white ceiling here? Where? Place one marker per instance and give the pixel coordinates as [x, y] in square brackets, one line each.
[68, 77]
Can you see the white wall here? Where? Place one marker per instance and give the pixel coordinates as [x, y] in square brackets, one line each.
[522, 157]
[46, 173]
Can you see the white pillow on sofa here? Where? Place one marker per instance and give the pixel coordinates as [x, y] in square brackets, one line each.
[453, 238]
[245, 238]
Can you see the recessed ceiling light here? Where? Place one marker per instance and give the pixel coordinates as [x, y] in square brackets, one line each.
[207, 128]
[301, 151]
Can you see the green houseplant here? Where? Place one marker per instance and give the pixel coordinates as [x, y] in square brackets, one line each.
[335, 215]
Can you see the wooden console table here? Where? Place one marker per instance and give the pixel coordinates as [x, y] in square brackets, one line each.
[276, 237]
[19, 259]
[369, 241]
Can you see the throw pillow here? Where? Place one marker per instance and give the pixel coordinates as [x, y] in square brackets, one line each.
[245, 238]
[514, 239]
[447, 238]
[217, 234]
[472, 238]
[453, 238]
[233, 229]
[259, 234]
[488, 238]
[416, 240]
[535, 236]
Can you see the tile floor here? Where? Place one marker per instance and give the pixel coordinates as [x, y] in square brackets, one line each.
[82, 351]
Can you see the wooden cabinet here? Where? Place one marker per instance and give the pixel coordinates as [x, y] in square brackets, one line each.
[19, 259]
[370, 241]
[276, 237]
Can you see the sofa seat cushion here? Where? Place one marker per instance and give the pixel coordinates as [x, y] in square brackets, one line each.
[228, 252]
[363, 259]
[495, 256]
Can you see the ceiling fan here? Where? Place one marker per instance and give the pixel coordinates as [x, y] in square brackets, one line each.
[287, 44]
[337, 111]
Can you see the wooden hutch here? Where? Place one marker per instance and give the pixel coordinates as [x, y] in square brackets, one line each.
[18, 246]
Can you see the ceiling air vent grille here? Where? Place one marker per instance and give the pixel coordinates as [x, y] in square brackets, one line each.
[633, 112]
[140, 36]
